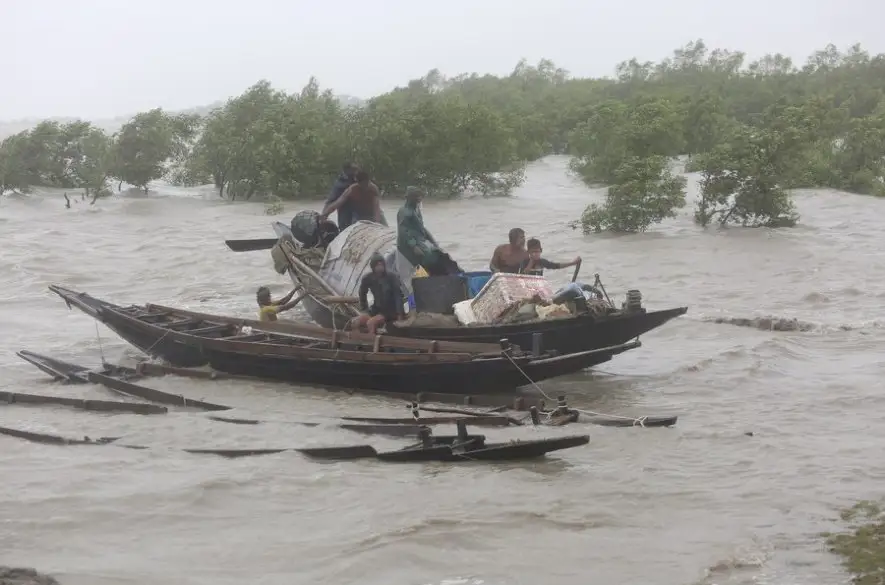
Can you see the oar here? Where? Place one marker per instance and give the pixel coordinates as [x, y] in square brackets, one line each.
[577, 270]
[251, 245]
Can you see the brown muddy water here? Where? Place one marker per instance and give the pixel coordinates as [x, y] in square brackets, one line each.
[703, 503]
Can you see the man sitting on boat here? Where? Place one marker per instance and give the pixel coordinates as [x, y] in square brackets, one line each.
[415, 242]
[269, 309]
[535, 264]
[345, 180]
[509, 257]
[363, 198]
[387, 298]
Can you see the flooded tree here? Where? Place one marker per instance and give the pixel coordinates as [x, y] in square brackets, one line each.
[645, 192]
[472, 132]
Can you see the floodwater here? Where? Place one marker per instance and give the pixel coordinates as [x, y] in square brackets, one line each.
[776, 430]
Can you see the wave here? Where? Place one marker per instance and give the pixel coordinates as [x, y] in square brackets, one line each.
[788, 324]
[769, 323]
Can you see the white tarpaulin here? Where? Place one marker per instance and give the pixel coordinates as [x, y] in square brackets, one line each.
[347, 257]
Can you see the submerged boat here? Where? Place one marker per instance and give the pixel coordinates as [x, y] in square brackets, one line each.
[330, 278]
[460, 447]
[318, 357]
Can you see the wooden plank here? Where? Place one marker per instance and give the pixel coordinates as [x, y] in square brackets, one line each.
[81, 403]
[270, 349]
[179, 325]
[210, 329]
[295, 328]
[130, 389]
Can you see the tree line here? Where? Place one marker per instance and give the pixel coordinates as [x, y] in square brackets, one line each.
[753, 131]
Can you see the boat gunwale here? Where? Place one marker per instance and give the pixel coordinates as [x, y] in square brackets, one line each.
[277, 350]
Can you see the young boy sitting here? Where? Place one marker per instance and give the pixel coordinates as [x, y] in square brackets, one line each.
[268, 309]
[535, 265]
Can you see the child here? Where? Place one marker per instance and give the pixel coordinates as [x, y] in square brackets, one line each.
[268, 309]
[535, 265]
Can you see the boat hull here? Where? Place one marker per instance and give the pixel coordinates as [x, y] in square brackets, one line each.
[275, 358]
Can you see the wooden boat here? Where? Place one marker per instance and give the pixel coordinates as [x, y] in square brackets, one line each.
[461, 447]
[339, 361]
[329, 276]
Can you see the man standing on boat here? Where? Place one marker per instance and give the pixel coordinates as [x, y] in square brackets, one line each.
[345, 180]
[364, 201]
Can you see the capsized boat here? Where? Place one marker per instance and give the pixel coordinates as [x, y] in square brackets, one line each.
[331, 275]
[326, 358]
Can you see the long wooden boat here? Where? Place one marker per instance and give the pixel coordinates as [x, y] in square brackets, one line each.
[304, 359]
[335, 273]
[450, 449]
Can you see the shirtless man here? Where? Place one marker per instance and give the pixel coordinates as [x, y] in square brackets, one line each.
[509, 257]
[362, 197]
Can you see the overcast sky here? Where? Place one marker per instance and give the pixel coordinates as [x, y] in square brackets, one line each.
[105, 58]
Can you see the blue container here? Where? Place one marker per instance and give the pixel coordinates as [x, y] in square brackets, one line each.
[411, 300]
[476, 280]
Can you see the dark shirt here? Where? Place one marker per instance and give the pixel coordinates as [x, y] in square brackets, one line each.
[345, 212]
[543, 263]
[387, 298]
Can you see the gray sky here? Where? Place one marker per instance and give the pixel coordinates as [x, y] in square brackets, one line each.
[105, 58]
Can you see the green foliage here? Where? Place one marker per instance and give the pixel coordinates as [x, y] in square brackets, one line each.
[754, 130]
[742, 181]
[147, 142]
[862, 547]
[645, 192]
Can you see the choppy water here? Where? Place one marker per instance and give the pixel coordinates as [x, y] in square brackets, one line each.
[702, 503]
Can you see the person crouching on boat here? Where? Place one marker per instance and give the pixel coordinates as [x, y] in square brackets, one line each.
[363, 198]
[269, 309]
[535, 264]
[415, 243]
[387, 298]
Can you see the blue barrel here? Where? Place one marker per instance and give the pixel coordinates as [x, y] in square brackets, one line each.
[477, 280]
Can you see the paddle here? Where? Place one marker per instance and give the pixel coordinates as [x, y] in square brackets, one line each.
[251, 245]
[577, 270]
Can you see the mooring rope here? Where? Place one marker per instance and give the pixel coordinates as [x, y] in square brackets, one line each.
[100, 348]
[640, 421]
[154, 344]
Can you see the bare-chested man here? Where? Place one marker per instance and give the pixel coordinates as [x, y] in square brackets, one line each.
[509, 257]
[362, 197]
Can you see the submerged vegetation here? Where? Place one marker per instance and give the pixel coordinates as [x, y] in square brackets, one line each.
[862, 547]
[752, 130]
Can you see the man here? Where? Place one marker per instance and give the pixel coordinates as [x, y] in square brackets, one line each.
[508, 257]
[363, 199]
[269, 309]
[345, 180]
[387, 298]
[535, 264]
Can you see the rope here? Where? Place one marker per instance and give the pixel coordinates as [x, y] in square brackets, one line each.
[154, 344]
[636, 421]
[100, 348]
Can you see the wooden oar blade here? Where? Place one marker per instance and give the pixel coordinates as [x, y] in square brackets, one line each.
[251, 245]
[354, 452]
